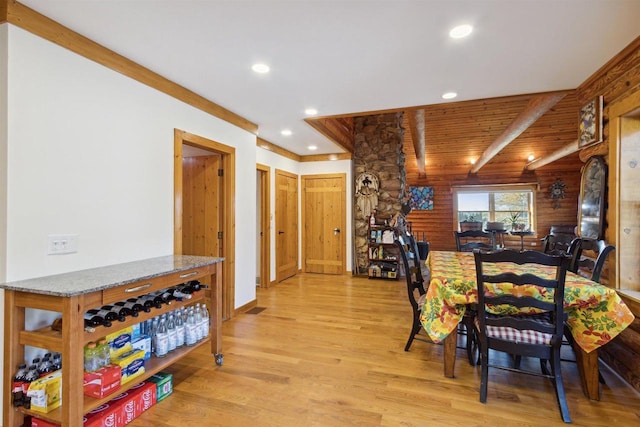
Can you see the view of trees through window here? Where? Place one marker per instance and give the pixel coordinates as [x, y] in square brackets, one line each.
[508, 207]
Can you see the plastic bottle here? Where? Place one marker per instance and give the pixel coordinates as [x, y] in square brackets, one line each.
[90, 357]
[152, 333]
[57, 361]
[172, 333]
[205, 321]
[17, 393]
[45, 365]
[104, 353]
[190, 333]
[32, 375]
[198, 315]
[179, 329]
[162, 339]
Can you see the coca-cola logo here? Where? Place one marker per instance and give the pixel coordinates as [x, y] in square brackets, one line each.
[129, 409]
[147, 399]
[110, 420]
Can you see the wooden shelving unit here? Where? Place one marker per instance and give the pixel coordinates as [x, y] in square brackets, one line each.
[70, 341]
[383, 253]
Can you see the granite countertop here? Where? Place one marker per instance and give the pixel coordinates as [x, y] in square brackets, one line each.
[95, 279]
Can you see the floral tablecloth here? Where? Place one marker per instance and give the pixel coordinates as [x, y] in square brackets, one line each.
[596, 314]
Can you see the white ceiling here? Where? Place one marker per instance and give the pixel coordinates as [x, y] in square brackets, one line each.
[347, 56]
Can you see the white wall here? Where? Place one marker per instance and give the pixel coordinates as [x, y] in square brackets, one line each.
[90, 152]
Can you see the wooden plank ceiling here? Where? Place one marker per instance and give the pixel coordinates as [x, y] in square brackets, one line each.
[455, 133]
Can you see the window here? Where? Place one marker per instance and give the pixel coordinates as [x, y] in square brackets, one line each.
[496, 203]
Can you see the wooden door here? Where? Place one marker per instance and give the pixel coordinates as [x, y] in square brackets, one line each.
[286, 225]
[324, 218]
[201, 196]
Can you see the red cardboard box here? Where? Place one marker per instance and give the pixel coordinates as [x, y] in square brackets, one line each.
[125, 406]
[144, 395]
[107, 415]
[102, 382]
[37, 422]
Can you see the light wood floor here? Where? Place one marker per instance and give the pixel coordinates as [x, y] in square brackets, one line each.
[328, 351]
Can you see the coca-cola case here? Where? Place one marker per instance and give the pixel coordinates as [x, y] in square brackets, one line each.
[106, 415]
[144, 396]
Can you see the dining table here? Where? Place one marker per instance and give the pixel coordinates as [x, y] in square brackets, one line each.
[595, 313]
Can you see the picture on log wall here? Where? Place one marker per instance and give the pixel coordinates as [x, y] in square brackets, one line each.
[421, 198]
[590, 131]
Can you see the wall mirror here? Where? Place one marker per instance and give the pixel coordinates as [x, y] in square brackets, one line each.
[592, 198]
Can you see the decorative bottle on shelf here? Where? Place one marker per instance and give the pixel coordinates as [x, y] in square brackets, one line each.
[372, 218]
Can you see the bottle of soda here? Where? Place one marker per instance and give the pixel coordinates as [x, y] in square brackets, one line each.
[162, 339]
[17, 392]
[45, 365]
[32, 375]
[57, 361]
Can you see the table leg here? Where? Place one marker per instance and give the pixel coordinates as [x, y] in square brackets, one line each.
[588, 368]
[449, 344]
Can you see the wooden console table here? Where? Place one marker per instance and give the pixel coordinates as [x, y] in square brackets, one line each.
[71, 295]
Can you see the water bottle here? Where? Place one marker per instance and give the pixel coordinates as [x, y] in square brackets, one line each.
[104, 353]
[205, 321]
[162, 339]
[152, 333]
[179, 329]
[191, 337]
[17, 393]
[57, 361]
[198, 315]
[172, 333]
[90, 357]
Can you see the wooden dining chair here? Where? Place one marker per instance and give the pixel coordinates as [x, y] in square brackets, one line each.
[468, 241]
[590, 265]
[416, 289]
[532, 335]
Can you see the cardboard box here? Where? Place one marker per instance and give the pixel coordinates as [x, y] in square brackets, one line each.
[46, 392]
[125, 407]
[131, 363]
[106, 415]
[143, 342]
[144, 396]
[102, 382]
[120, 342]
[37, 422]
[164, 385]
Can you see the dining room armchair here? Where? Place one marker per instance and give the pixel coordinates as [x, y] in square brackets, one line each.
[506, 322]
[470, 240]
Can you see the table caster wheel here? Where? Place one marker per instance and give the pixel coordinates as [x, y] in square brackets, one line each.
[219, 359]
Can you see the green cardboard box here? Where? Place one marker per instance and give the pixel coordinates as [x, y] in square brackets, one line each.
[164, 384]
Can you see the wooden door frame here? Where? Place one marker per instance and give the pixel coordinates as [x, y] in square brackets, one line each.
[343, 219]
[228, 162]
[265, 215]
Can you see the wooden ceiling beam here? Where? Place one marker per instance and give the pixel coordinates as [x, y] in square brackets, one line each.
[416, 126]
[536, 107]
[337, 129]
[558, 154]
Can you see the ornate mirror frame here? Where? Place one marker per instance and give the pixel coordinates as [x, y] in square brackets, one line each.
[592, 198]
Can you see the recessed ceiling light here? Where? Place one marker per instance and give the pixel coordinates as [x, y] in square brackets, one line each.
[260, 68]
[460, 31]
[311, 111]
[449, 95]
[472, 160]
[286, 132]
[333, 157]
[312, 147]
[531, 157]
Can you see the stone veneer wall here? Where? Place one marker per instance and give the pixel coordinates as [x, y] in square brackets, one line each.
[378, 150]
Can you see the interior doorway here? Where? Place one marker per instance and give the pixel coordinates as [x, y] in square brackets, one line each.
[204, 222]
[263, 203]
[286, 225]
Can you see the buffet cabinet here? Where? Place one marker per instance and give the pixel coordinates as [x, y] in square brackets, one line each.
[71, 295]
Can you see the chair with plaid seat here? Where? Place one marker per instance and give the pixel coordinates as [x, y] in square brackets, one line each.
[532, 335]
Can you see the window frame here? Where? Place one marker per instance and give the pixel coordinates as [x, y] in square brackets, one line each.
[496, 188]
